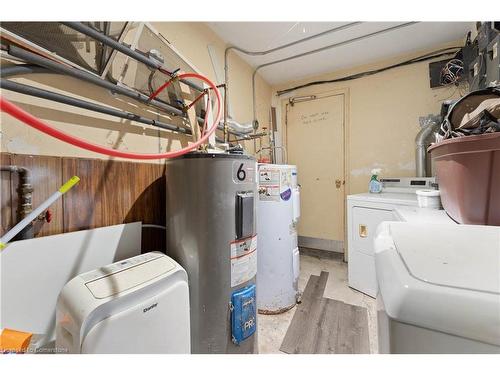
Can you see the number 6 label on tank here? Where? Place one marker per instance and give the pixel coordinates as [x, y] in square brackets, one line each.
[243, 171]
[243, 260]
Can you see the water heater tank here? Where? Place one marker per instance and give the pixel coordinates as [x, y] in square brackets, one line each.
[278, 215]
[211, 232]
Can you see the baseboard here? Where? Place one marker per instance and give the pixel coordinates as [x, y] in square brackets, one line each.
[323, 254]
[321, 244]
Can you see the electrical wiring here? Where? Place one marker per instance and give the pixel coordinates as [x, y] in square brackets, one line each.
[452, 72]
[429, 56]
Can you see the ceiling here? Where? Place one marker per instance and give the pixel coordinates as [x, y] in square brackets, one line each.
[260, 36]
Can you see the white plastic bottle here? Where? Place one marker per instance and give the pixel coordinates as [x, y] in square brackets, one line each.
[375, 186]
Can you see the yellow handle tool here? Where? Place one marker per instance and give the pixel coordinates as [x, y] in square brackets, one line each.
[37, 211]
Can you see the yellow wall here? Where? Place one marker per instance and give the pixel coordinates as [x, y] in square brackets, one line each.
[382, 115]
[191, 40]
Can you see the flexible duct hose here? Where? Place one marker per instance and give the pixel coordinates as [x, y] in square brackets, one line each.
[28, 119]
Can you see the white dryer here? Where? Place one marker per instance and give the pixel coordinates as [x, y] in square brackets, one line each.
[365, 212]
[439, 288]
[138, 305]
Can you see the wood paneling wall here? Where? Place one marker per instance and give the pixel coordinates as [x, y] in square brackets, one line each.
[109, 192]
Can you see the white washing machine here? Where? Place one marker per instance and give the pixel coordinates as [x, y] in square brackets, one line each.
[439, 288]
[277, 217]
[365, 212]
[139, 306]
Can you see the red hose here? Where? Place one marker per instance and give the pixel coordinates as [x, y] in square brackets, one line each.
[28, 119]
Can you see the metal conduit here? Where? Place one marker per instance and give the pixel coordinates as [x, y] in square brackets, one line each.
[80, 74]
[261, 53]
[29, 90]
[123, 48]
[43, 64]
[335, 45]
[45, 94]
[64, 99]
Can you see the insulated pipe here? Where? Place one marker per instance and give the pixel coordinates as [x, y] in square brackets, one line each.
[29, 69]
[34, 122]
[240, 128]
[64, 99]
[335, 45]
[43, 65]
[126, 50]
[80, 74]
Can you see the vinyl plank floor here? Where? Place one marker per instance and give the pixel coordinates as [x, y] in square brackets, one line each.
[306, 316]
[326, 326]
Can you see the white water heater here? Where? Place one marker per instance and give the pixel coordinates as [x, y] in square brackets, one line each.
[278, 260]
[136, 306]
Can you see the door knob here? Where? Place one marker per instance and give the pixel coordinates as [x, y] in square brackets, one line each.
[338, 183]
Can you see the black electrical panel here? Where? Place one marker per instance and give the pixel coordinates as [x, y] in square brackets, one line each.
[480, 57]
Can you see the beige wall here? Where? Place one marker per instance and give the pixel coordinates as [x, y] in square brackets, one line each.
[382, 116]
[191, 40]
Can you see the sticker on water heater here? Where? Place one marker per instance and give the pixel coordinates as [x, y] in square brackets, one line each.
[243, 260]
[269, 184]
[285, 195]
[243, 171]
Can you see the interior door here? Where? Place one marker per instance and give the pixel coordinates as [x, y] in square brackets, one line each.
[315, 143]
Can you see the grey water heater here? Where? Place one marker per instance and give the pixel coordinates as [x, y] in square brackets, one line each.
[211, 232]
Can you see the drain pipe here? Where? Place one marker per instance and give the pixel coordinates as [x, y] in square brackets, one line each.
[262, 53]
[25, 195]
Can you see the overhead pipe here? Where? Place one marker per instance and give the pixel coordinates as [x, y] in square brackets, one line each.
[30, 120]
[335, 45]
[240, 128]
[123, 48]
[262, 53]
[91, 78]
[64, 99]
[14, 70]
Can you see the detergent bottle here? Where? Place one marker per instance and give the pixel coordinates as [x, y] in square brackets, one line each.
[375, 186]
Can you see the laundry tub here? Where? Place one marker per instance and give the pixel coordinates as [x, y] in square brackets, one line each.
[468, 173]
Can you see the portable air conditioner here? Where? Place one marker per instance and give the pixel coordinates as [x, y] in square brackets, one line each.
[138, 305]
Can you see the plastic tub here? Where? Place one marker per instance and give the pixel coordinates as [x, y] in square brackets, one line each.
[468, 173]
[428, 199]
